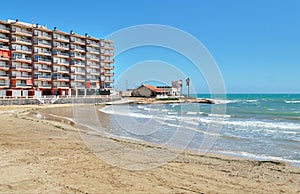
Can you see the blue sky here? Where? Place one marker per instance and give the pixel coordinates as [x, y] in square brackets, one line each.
[256, 43]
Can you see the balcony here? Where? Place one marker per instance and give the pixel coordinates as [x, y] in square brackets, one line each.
[4, 29]
[23, 41]
[21, 32]
[108, 74]
[4, 76]
[109, 67]
[94, 73]
[73, 71]
[43, 44]
[60, 38]
[77, 41]
[93, 43]
[61, 54]
[22, 50]
[79, 79]
[42, 77]
[45, 86]
[42, 35]
[22, 59]
[4, 38]
[107, 47]
[4, 66]
[61, 70]
[62, 63]
[42, 69]
[93, 51]
[4, 85]
[108, 61]
[43, 52]
[63, 86]
[78, 49]
[61, 78]
[109, 81]
[95, 66]
[61, 47]
[23, 85]
[78, 64]
[4, 47]
[22, 68]
[43, 61]
[21, 77]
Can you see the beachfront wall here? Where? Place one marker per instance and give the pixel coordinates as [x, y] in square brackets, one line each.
[35, 60]
[78, 100]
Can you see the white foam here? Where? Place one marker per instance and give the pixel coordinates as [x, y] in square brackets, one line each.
[258, 156]
[219, 115]
[218, 101]
[251, 100]
[292, 101]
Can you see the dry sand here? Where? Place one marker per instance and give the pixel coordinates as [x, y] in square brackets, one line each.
[42, 156]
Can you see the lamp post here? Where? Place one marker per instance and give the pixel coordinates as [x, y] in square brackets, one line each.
[188, 85]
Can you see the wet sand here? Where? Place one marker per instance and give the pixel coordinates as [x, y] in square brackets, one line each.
[39, 155]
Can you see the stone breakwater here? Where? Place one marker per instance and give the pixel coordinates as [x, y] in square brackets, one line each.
[167, 101]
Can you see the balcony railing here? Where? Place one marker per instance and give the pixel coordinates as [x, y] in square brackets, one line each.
[26, 50]
[61, 46]
[4, 75]
[61, 78]
[22, 67]
[43, 60]
[61, 38]
[60, 86]
[4, 84]
[4, 28]
[109, 67]
[21, 31]
[21, 40]
[43, 85]
[4, 65]
[4, 37]
[43, 43]
[22, 85]
[42, 76]
[21, 76]
[61, 70]
[61, 53]
[43, 52]
[65, 63]
[42, 69]
[43, 35]
[93, 50]
[4, 47]
[27, 59]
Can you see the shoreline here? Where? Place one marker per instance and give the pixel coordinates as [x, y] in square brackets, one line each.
[192, 172]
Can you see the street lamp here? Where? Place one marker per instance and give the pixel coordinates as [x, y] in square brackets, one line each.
[188, 85]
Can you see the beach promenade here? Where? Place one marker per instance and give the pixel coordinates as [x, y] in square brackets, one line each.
[44, 155]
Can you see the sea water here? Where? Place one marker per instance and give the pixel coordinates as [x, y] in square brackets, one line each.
[256, 126]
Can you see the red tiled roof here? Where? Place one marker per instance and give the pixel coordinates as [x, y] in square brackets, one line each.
[154, 89]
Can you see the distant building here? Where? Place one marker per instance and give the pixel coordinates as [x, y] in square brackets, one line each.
[147, 91]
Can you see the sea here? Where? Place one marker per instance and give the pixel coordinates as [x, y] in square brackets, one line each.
[253, 126]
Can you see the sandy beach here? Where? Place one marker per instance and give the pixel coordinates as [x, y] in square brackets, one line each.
[39, 155]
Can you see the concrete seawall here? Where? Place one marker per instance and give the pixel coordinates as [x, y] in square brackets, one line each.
[79, 100]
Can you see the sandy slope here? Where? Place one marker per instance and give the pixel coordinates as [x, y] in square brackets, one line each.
[41, 156]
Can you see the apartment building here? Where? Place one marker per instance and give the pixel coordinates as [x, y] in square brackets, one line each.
[35, 61]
